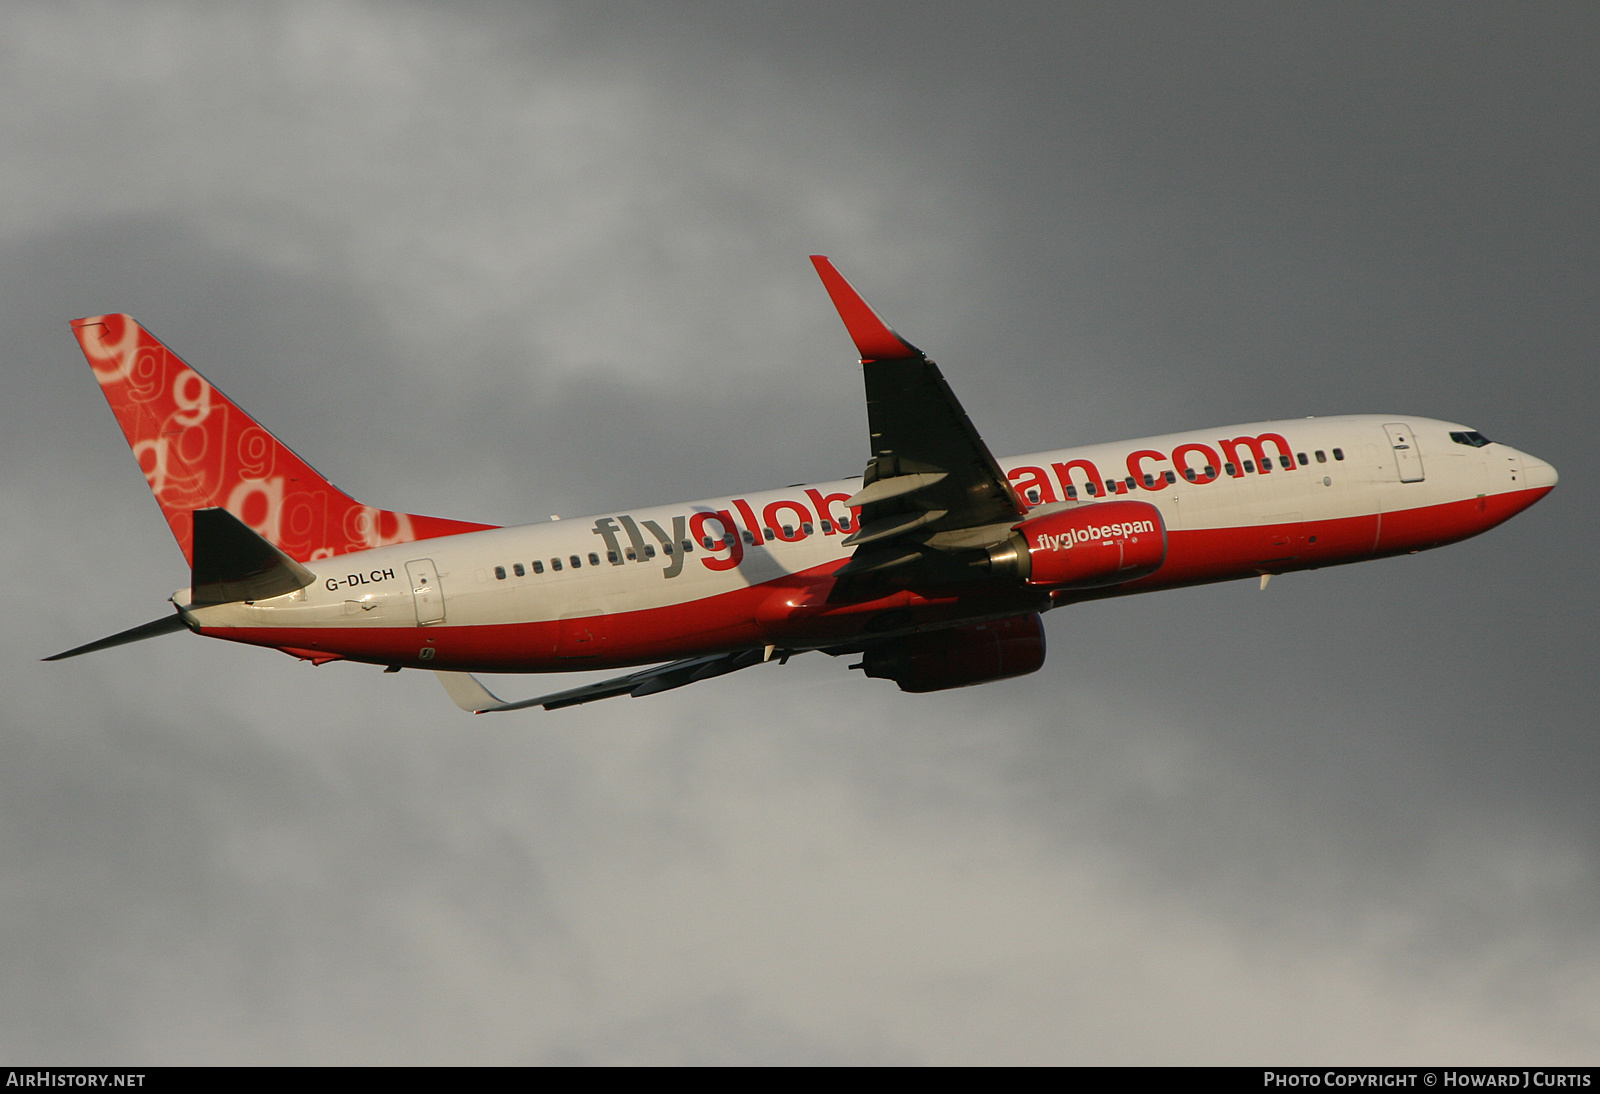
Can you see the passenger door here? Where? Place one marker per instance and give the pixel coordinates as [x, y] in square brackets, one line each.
[1406, 456]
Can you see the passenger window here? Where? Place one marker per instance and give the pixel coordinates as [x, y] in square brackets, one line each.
[594, 559]
[1072, 492]
[555, 564]
[788, 531]
[649, 551]
[729, 540]
[1170, 476]
[1285, 462]
[1250, 465]
[1302, 458]
[538, 567]
[1149, 479]
[1228, 467]
[1188, 473]
[577, 562]
[1089, 488]
[688, 547]
[630, 554]
[1211, 472]
[748, 538]
[844, 524]
[1131, 483]
[500, 573]
[1322, 457]
[611, 557]
[711, 544]
[516, 568]
[1111, 486]
[827, 525]
[805, 526]
[1338, 453]
[666, 549]
[767, 533]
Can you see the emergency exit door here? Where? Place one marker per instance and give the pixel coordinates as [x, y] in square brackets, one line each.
[425, 591]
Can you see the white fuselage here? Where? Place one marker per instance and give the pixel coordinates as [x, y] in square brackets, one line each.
[654, 563]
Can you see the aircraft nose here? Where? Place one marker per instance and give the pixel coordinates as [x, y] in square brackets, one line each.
[1537, 474]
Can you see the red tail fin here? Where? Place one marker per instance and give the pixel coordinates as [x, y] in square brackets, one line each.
[199, 450]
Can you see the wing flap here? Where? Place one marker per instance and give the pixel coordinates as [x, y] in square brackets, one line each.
[899, 486]
[891, 525]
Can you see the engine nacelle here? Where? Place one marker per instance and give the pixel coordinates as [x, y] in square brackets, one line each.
[955, 657]
[1106, 543]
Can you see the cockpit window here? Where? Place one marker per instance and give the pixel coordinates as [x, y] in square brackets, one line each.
[1471, 437]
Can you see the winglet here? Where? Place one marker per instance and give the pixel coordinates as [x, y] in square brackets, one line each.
[874, 338]
[470, 695]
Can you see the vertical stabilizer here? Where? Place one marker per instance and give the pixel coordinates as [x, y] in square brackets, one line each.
[200, 451]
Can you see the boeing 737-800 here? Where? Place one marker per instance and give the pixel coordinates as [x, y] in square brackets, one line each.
[933, 567]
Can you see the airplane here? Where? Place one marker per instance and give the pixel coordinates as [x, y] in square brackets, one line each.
[933, 567]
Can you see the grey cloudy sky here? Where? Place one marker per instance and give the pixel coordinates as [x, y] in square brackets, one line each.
[502, 261]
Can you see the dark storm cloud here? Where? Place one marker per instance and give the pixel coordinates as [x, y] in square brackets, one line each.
[516, 262]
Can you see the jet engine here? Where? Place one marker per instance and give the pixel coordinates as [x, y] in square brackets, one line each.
[954, 657]
[1106, 543]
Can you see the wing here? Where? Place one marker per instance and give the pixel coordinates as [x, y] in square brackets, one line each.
[471, 696]
[931, 481]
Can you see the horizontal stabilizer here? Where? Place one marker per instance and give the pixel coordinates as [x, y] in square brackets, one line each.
[167, 624]
[232, 563]
[470, 695]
